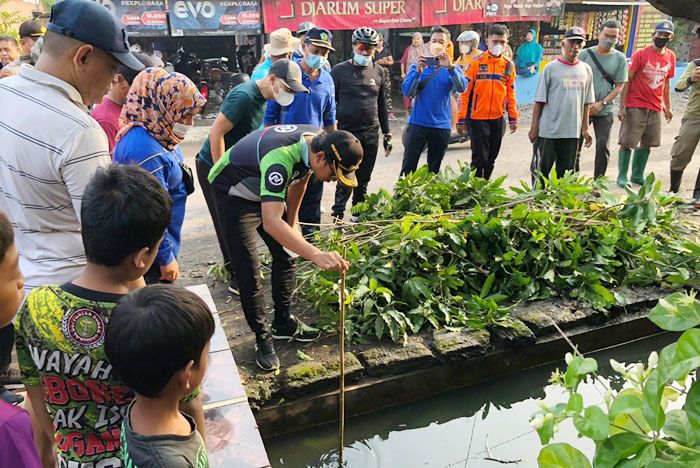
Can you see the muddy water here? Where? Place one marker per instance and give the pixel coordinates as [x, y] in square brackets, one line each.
[460, 428]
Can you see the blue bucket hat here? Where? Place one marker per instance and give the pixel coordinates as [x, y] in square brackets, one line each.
[89, 22]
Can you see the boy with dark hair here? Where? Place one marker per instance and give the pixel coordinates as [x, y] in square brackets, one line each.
[61, 329]
[16, 438]
[158, 343]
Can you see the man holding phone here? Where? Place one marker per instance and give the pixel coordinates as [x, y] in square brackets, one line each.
[430, 83]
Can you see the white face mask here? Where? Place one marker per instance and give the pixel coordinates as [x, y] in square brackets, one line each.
[283, 97]
[464, 49]
[180, 130]
[496, 50]
[436, 48]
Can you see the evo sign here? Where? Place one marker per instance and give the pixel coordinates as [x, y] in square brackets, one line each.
[209, 17]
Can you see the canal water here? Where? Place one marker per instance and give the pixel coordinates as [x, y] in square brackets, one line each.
[456, 429]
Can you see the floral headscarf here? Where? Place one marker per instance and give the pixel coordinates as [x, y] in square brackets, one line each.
[156, 101]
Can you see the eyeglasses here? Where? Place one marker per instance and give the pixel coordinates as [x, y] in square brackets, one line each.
[362, 47]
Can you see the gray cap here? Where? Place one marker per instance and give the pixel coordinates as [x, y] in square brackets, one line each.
[290, 73]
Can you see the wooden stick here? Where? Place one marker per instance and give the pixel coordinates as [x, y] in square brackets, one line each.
[341, 394]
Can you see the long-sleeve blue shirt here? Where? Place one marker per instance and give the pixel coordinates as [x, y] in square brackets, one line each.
[315, 108]
[139, 148]
[432, 105]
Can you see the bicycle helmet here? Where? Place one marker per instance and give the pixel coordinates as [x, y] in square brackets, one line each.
[365, 35]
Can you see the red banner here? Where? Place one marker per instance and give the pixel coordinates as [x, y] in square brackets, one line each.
[446, 12]
[342, 14]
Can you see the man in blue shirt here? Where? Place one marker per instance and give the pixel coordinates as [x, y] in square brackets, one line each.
[315, 108]
[430, 85]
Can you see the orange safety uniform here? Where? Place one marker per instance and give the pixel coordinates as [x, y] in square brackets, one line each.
[465, 59]
[490, 90]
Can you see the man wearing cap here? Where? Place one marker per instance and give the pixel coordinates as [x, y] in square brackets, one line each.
[282, 44]
[643, 98]
[302, 29]
[362, 109]
[315, 108]
[609, 68]
[560, 117]
[259, 185]
[241, 113]
[29, 32]
[51, 163]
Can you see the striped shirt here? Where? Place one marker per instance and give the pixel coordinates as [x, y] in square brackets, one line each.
[49, 149]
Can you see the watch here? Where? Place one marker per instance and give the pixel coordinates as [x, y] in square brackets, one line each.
[605, 103]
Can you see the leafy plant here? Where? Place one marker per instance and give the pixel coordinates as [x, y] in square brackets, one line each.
[643, 424]
[452, 250]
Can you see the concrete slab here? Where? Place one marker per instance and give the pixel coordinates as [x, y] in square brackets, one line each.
[232, 435]
[233, 439]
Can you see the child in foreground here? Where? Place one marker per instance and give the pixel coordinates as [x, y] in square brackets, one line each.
[16, 438]
[78, 400]
[158, 343]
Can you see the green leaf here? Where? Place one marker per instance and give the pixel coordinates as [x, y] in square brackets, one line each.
[627, 401]
[519, 211]
[658, 463]
[575, 404]
[651, 404]
[593, 424]
[677, 312]
[692, 405]
[562, 455]
[379, 327]
[303, 356]
[678, 427]
[486, 288]
[641, 460]
[618, 447]
[372, 284]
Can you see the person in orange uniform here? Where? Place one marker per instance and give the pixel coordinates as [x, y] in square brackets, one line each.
[468, 48]
[490, 91]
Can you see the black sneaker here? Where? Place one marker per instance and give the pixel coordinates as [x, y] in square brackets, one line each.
[265, 355]
[233, 286]
[297, 330]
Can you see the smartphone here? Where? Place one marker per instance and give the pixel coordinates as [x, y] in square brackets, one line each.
[431, 61]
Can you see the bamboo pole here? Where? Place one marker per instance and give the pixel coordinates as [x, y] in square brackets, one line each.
[341, 393]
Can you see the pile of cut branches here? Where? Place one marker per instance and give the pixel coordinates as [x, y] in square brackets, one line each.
[450, 249]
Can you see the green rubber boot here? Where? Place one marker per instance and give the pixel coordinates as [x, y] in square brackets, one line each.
[623, 164]
[639, 162]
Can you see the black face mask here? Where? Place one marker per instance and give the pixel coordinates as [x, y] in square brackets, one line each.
[660, 42]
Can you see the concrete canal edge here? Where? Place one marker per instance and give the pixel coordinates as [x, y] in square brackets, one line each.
[383, 374]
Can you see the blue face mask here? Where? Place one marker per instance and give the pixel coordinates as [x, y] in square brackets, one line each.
[362, 60]
[315, 61]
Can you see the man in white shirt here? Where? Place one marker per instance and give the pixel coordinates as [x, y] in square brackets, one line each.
[51, 147]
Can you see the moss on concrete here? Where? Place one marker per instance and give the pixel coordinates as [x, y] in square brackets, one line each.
[463, 343]
[512, 334]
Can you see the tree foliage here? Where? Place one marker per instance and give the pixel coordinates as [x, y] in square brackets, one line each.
[652, 421]
[452, 250]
